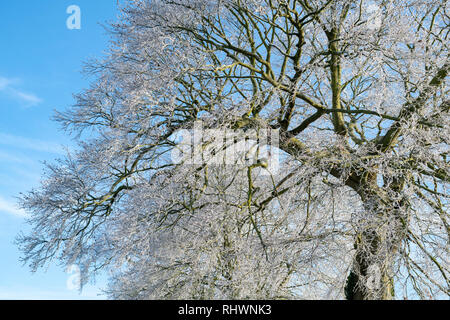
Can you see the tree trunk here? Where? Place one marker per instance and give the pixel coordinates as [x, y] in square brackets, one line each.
[369, 278]
[382, 231]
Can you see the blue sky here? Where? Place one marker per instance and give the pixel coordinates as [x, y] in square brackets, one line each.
[40, 64]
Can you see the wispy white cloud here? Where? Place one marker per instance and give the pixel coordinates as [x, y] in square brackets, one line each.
[6, 156]
[32, 293]
[30, 144]
[5, 83]
[9, 86]
[28, 98]
[11, 208]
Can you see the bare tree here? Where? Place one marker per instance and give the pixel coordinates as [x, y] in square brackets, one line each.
[356, 92]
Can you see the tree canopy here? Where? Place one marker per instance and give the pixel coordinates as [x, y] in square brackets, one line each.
[353, 97]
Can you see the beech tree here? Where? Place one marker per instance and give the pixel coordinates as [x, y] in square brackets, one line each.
[351, 95]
